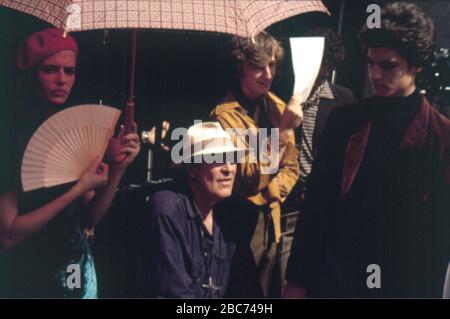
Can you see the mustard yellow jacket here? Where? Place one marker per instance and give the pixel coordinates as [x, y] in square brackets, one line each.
[259, 188]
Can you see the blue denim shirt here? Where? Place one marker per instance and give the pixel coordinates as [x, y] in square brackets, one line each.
[187, 261]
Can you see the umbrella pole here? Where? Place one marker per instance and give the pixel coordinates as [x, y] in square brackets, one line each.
[129, 113]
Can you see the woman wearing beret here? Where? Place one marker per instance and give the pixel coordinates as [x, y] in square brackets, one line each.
[43, 229]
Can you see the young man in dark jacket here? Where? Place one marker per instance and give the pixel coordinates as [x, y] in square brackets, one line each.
[377, 205]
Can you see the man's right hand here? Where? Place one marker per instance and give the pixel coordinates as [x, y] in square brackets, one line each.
[95, 176]
[293, 114]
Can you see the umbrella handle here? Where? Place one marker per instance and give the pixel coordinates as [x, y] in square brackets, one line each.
[129, 113]
[129, 116]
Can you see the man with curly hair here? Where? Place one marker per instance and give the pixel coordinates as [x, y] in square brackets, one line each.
[250, 106]
[377, 220]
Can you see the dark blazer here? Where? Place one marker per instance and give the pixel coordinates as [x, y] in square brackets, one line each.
[342, 96]
[413, 213]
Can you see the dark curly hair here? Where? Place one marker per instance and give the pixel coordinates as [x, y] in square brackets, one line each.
[405, 28]
[257, 50]
[334, 52]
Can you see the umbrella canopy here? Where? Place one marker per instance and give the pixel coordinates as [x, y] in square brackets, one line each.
[237, 17]
[244, 18]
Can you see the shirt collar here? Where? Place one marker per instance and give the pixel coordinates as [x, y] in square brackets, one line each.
[323, 91]
[185, 189]
[326, 92]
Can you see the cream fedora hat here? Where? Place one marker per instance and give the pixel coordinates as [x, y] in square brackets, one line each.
[207, 138]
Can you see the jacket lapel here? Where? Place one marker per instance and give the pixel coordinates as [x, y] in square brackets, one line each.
[323, 111]
[354, 155]
[416, 133]
[415, 136]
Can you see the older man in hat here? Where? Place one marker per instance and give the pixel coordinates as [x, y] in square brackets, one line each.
[191, 249]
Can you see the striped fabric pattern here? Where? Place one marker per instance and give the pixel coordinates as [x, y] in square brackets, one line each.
[310, 108]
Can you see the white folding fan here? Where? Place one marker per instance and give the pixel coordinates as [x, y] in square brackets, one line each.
[66, 144]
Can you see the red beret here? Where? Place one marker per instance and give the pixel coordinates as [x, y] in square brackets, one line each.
[41, 45]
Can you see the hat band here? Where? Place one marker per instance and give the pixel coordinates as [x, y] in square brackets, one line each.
[214, 145]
